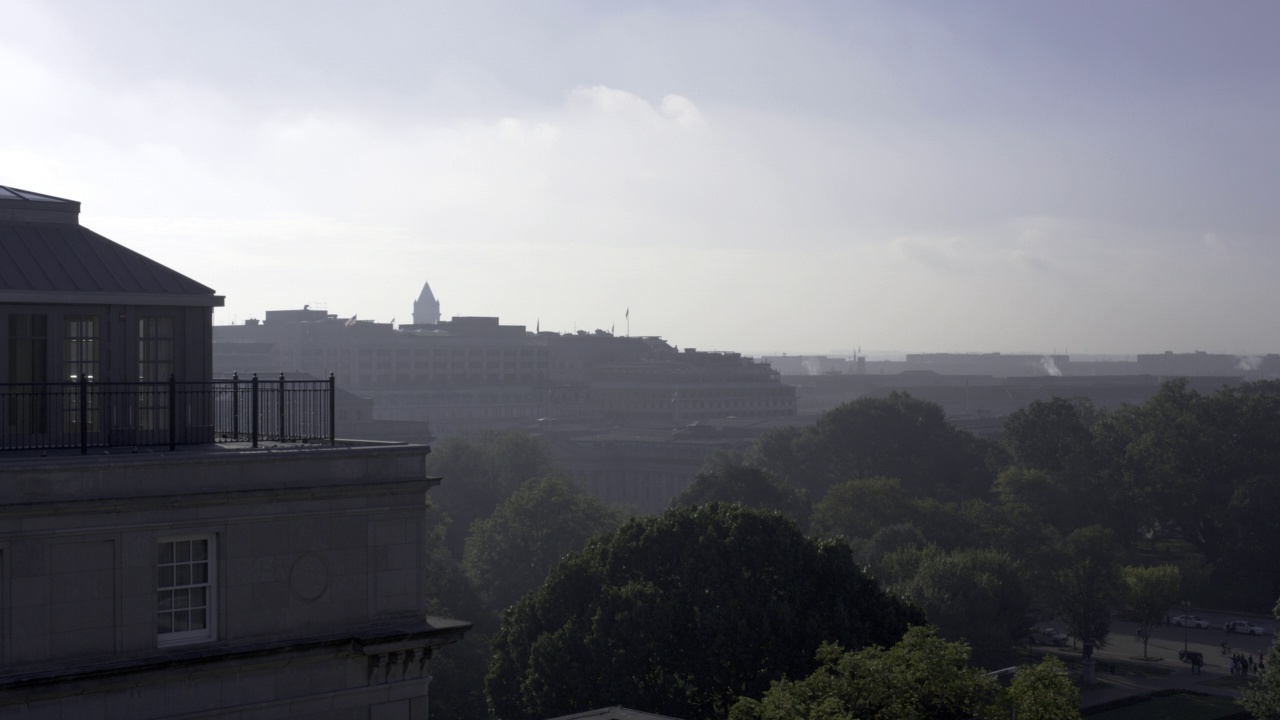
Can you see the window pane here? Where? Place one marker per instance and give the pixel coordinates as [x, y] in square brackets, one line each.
[183, 594]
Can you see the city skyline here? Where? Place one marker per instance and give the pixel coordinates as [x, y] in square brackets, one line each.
[804, 179]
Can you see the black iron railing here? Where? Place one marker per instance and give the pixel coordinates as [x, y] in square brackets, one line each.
[86, 414]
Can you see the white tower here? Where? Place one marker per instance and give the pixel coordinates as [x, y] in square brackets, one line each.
[426, 309]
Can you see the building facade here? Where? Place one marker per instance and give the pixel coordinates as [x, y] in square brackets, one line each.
[474, 373]
[177, 547]
[617, 409]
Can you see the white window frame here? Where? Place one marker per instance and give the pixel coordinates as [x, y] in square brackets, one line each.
[210, 587]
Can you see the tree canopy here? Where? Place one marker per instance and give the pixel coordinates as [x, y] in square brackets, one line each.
[682, 613]
[732, 481]
[481, 470]
[1262, 697]
[1087, 584]
[510, 552]
[976, 595]
[1148, 593]
[859, 508]
[920, 677]
[898, 437]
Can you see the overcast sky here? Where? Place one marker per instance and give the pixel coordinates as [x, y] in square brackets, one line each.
[1009, 176]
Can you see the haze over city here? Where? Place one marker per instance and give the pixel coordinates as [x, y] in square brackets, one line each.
[805, 177]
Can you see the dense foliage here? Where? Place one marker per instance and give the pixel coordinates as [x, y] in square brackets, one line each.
[510, 553]
[897, 437]
[1262, 697]
[733, 482]
[920, 677]
[1148, 593]
[985, 537]
[480, 471]
[682, 613]
[975, 595]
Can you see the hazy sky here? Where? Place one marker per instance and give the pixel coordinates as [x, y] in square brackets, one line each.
[945, 176]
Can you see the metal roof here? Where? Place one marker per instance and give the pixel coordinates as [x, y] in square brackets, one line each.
[59, 261]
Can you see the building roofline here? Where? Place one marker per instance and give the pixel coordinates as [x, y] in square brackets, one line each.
[65, 297]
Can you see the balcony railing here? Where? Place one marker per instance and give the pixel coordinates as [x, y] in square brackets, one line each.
[86, 414]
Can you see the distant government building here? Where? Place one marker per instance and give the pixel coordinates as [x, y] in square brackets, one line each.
[631, 418]
[176, 546]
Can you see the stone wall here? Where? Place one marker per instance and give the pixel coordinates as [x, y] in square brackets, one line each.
[315, 598]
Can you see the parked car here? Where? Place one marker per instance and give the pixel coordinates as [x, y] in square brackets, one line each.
[1244, 627]
[1048, 636]
[1194, 621]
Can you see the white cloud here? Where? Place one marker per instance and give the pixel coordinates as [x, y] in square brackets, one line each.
[762, 181]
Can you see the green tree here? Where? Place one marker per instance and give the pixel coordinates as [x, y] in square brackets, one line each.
[481, 470]
[1087, 583]
[859, 508]
[1053, 436]
[1044, 692]
[922, 676]
[974, 595]
[1148, 593]
[952, 525]
[460, 670]
[889, 539]
[510, 553]
[776, 452]
[681, 613]
[730, 481]
[1190, 454]
[1023, 487]
[1060, 449]
[1254, 534]
[899, 437]
[1262, 697]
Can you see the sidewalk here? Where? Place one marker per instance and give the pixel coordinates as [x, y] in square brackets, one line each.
[1139, 677]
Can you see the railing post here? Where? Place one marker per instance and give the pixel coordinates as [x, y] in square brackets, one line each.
[280, 429]
[173, 412]
[332, 403]
[235, 405]
[84, 413]
[254, 410]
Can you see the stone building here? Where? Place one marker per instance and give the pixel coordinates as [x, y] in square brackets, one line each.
[474, 373]
[177, 547]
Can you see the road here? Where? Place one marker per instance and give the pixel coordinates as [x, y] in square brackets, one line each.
[1123, 645]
